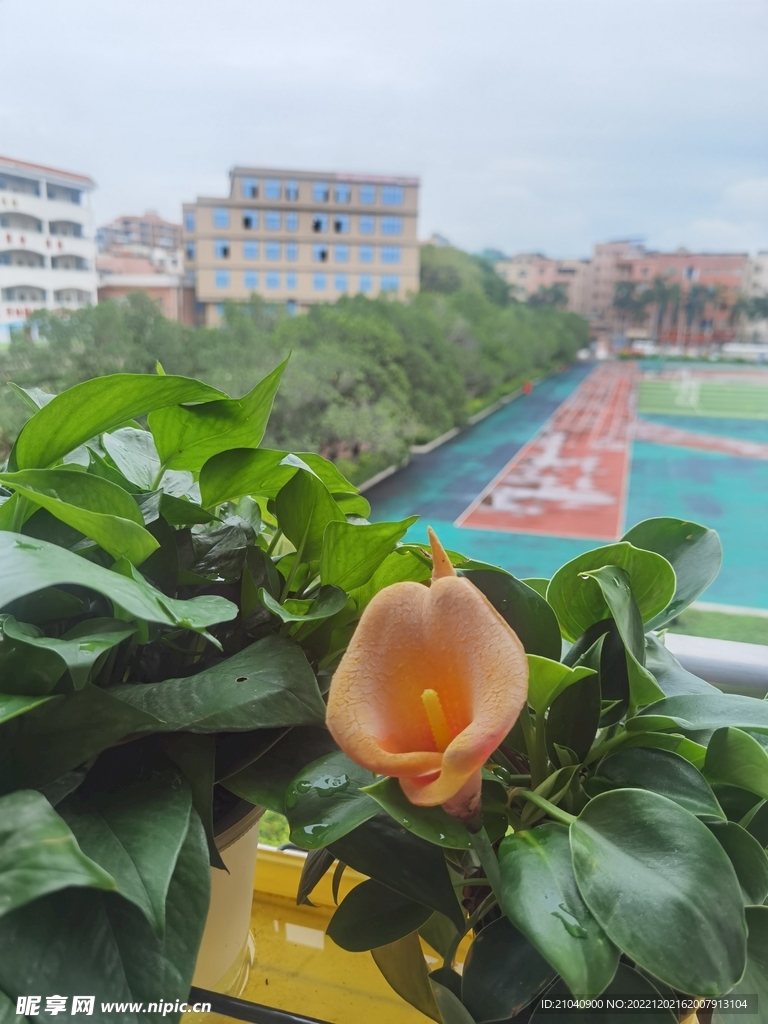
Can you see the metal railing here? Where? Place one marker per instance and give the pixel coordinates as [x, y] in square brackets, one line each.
[254, 1013]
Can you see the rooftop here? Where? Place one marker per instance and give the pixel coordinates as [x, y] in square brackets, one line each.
[9, 163]
[374, 179]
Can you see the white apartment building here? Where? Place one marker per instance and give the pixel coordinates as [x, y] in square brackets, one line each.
[47, 241]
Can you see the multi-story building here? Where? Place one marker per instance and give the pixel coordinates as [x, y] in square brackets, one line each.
[755, 329]
[123, 273]
[299, 237]
[141, 235]
[47, 245]
[530, 273]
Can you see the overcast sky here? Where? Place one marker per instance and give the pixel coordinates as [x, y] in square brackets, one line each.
[533, 124]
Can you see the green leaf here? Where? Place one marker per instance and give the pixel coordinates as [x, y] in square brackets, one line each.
[98, 405]
[397, 567]
[402, 964]
[99, 509]
[529, 615]
[324, 801]
[233, 474]
[135, 455]
[351, 554]
[64, 732]
[734, 758]
[84, 941]
[693, 551]
[78, 650]
[219, 552]
[31, 565]
[431, 823]
[329, 601]
[33, 398]
[663, 889]
[383, 850]
[12, 705]
[439, 933]
[182, 511]
[268, 684]
[755, 979]
[615, 586]
[748, 858]
[672, 678]
[39, 854]
[574, 718]
[372, 915]
[540, 897]
[187, 436]
[698, 713]
[195, 755]
[537, 583]
[663, 772]
[547, 679]
[135, 835]
[304, 509]
[502, 973]
[579, 603]
[626, 983]
[693, 752]
[452, 1010]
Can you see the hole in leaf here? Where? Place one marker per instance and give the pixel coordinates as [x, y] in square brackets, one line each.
[242, 679]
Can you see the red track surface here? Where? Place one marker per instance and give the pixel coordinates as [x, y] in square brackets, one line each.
[571, 479]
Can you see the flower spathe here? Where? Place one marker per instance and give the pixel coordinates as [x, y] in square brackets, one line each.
[431, 683]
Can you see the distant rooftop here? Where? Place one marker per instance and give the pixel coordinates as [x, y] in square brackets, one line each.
[9, 163]
[375, 179]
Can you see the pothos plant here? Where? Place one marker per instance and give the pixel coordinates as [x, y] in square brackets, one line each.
[174, 603]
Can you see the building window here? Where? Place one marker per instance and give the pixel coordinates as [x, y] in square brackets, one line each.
[341, 253]
[342, 193]
[319, 282]
[341, 224]
[250, 220]
[189, 221]
[292, 190]
[251, 250]
[272, 250]
[291, 222]
[272, 220]
[190, 250]
[273, 281]
[250, 188]
[320, 222]
[340, 283]
[320, 253]
[367, 225]
[392, 195]
[367, 194]
[366, 282]
[291, 308]
[64, 194]
[320, 192]
[291, 251]
[220, 308]
[389, 254]
[365, 254]
[391, 225]
[390, 283]
[272, 188]
[221, 249]
[222, 278]
[290, 281]
[220, 217]
[251, 280]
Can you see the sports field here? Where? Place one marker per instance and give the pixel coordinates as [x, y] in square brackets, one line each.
[584, 457]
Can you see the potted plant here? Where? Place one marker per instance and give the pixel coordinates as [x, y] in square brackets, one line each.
[174, 603]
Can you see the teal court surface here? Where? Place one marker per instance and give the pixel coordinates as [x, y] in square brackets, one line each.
[590, 452]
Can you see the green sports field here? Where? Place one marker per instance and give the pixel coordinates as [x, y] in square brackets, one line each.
[692, 396]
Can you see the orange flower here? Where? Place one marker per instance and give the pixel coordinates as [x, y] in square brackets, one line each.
[431, 683]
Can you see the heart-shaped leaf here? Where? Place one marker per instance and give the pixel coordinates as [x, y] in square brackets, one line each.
[736, 758]
[547, 679]
[233, 474]
[431, 823]
[325, 801]
[701, 713]
[372, 915]
[663, 772]
[304, 509]
[329, 601]
[351, 553]
[529, 615]
[402, 964]
[748, 858]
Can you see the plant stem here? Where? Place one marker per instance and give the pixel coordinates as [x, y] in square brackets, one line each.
[481, 844]
[604, 746]
[275, 538]
[158, 476]
[294, 567]
[554, 812]
[536, 744]
[19, 512]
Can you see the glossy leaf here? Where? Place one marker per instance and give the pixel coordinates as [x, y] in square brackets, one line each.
[135, 835]
[233, 474]
[452, 1010]
[547, 679]
[219, 552]
[678, 744]
[735, 758]
[602, 649]
[324, 801]
[662, 772]
[693, 551]
[135, 455]
[502, 973]
[529, 615]
[626, 983]
[400, 565]
[329, 601]
[540, 897]
[700, 713]
[195, 756]
[579, 603]
[77, 650]
[304, 509]
[316, 865]
[30, 565]
[39, 854]
[672, 678]
[267, 684]
[748, 858]
[97, 405]
[12, 705]
[372, 915]
[402, 964]
[351, 554]
[431, 823]
[383, 850]
[187, 436]
[663, 889]
[755, 979]
[574, 717]
[97, 508]
[537, 583]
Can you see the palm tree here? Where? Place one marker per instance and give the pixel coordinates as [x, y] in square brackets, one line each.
[696, 300]
[660, 294]
[631, 302]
